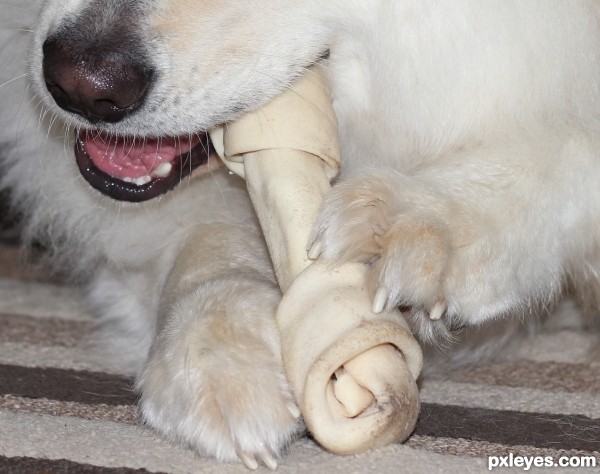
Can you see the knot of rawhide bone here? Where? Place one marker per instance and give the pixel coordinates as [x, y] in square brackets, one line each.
[353, 372]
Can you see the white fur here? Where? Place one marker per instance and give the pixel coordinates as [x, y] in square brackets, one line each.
[470, 139]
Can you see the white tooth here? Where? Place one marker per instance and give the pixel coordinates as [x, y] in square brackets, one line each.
[163, 170]
[127, 179]
[142, 180]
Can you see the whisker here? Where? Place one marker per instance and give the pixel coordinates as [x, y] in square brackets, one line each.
[10, 81]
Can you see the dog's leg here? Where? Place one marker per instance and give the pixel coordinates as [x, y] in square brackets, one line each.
[214, 378]
[474, 234]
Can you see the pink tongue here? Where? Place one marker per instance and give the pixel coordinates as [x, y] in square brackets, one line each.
[124, 158]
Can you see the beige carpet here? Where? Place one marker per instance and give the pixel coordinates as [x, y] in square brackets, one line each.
[63, 411]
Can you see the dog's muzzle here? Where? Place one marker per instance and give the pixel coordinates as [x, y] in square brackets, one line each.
[103, 80]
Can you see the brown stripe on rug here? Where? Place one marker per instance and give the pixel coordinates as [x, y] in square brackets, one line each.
[27, 465]
[550, 376]
[42, 331]
[66, 385]
[511, 428]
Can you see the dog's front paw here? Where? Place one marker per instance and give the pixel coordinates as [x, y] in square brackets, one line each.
[215, 380]
[405, 242]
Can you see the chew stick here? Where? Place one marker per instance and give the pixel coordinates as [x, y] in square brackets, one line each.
[353, 372]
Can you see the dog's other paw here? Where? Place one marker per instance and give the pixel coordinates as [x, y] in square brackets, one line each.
[214, 379]
[453, 253]
[402, 238]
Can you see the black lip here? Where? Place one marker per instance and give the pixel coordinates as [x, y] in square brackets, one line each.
[121, 190]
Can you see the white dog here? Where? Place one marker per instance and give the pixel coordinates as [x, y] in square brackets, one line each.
[471, 160]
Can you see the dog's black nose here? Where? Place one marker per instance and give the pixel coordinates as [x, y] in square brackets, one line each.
[102, 82]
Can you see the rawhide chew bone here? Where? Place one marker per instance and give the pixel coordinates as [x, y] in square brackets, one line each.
[353, 372]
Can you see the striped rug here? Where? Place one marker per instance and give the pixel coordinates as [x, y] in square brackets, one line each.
[63, 411]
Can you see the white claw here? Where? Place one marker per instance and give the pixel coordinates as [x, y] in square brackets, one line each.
[315, 250]
[248, 460]
[294, 410]
[269, 461]
[437, 311]
[380, 300]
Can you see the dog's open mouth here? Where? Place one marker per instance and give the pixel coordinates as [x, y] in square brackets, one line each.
[137, 170]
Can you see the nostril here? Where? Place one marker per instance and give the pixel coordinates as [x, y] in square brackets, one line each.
[100, 82]
[108, 110]
[58, 93]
